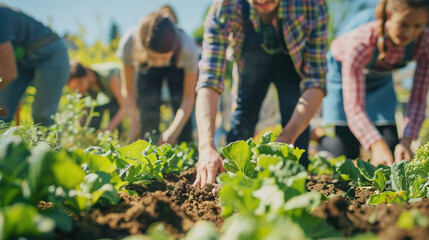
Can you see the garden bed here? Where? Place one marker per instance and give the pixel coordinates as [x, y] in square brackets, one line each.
[178, 206]
[174, 203]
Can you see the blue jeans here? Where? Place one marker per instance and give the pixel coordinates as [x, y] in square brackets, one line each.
[345, 142]
[47, 69]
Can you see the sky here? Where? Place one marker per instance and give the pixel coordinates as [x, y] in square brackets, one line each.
[65, 16]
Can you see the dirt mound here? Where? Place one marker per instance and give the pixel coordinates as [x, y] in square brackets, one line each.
[177, 205]
[174, 203]
[352, 216]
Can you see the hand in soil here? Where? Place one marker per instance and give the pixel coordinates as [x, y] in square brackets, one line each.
[3, 111]
[381, 153]
[208, 165]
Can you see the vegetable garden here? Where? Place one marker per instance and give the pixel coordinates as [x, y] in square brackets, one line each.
[143, 191]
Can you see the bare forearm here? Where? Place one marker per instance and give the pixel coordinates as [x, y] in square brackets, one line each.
[181, 117]
[304, 111]
[116, 120]
[206, 109]
[8, 69]
[127, 87]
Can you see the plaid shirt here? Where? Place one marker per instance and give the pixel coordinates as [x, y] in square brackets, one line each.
[355, 50]
[304, 31]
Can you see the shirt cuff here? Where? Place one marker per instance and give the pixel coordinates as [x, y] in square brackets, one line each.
[217, 87]
[311, 83]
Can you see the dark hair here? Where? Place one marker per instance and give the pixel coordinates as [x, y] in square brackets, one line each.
[157, 33]
[168, 11]
[76, 70]
[381, 14]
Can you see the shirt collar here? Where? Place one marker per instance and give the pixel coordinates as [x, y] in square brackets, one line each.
[281, 13]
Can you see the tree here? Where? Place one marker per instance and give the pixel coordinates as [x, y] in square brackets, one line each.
[114, 31]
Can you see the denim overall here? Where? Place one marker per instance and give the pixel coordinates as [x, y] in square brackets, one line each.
[380, 97]
[47, 69]
[148, 92]
[258, 70]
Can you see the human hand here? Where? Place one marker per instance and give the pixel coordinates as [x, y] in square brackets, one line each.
[3, 111]
[134, 132]
[167, 137]
[284, 139]
[403, 151]
[208, 165]
[381, 153]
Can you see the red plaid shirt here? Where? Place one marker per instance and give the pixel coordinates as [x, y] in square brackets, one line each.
[355, 50]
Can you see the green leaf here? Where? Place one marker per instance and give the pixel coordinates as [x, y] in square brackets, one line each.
[291, 178]
[134, 150]
[62, 221]
[414, 187]
[265, 160]
[313, 227]
[279, 149]
[250, 227]
[237, 193]
[203, 230]
[308, 201]
[413, 218]
[98, 163]
[239, 158]
[96, 186]
[52, 168]
[251, 143]
[348, 172]
[398, 176]
[22, 219]
[65, 172]
[130, 192]
[388, 197]
[264, 163]
[241, 227]
[320, 166]
[2, 226]
[271, 199]
[387, 171]
[379, 180]
[13, 159]
[366, 168]
[268, 137]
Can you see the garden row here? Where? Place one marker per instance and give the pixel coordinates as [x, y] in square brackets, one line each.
[145, 191]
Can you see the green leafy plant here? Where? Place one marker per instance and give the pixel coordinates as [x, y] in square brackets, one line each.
[365, 174]
[264, 191]
[243, 156]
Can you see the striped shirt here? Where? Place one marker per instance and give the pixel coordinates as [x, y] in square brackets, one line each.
[355, 50]
[304, 30]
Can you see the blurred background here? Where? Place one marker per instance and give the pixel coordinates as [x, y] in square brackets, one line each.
[92, 30]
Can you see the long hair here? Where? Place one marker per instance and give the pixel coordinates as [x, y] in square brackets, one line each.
[381, 14]
[155, 32]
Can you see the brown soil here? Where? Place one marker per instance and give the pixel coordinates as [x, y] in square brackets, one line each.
[351, 216]
[178, 206]
[174, 203]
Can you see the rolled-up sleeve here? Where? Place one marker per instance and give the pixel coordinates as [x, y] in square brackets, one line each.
[315, 49]
[217, 27]
[416, 110]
